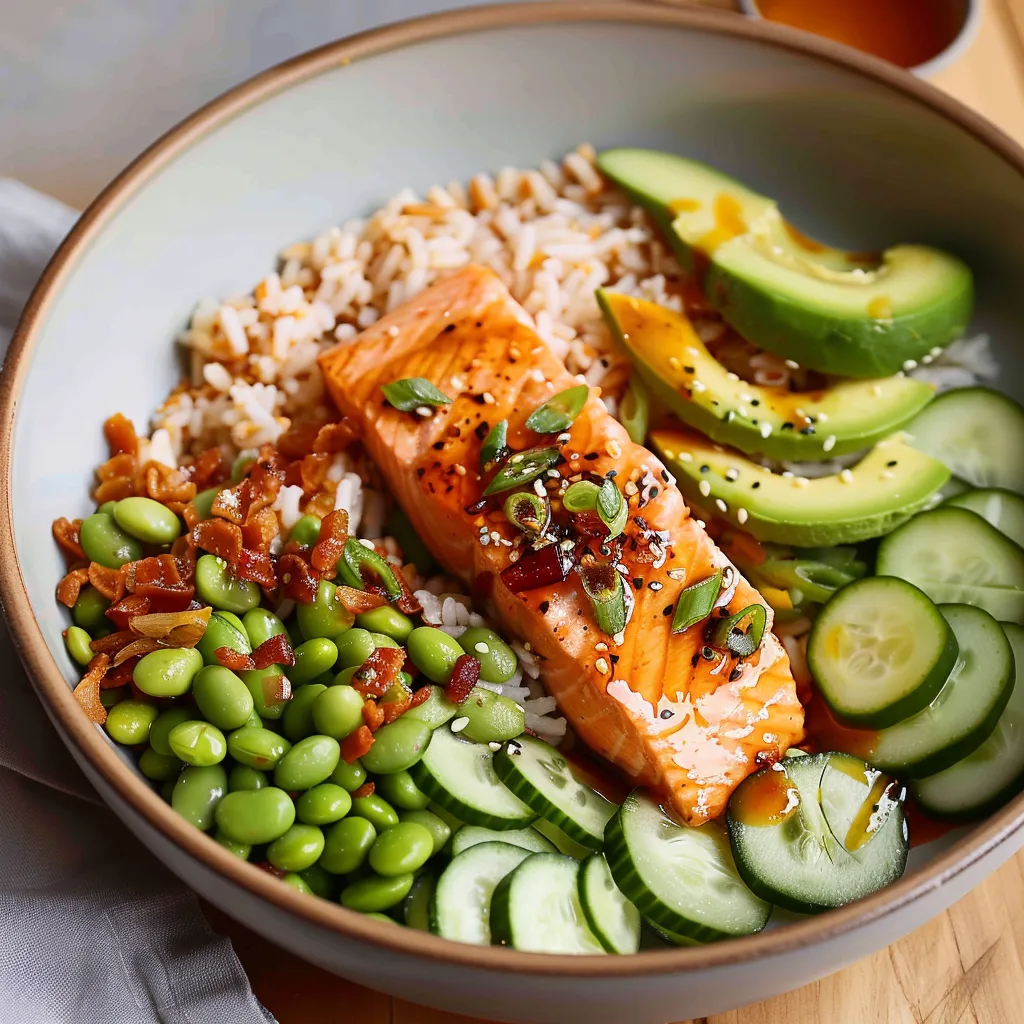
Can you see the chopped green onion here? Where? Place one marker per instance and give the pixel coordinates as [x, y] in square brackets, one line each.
[611, 601]
[815, 581]
[559, 411]
[408, 394]
[727, 634]
[360, 566]
[522, 468]
[635, 409]
[580, 497]
[696, 603]
[612, 508]
[528, 512]
[495, 445]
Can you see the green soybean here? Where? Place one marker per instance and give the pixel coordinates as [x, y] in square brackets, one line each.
[260, 625]
[222, 698]
[242, 776]
[492, 717]
[383, 918]
[165, 722]
[376, 894]
[338, 711]
[349, 776]
[401, 791]
[148, 520]
[387, 620]
[297, 882]
[435, 710]
[308, 763]
[223, 630]
[255, 815]
[397, 746]
[326, 616]
[306, 532]
[299, 848]
[382, 640]
[159, 767]
[354, 647]
[130, 721]
[347, 845]
[270, 691]
[297, 720]
[498, 662]
[77, 641]
[240, 850]
[113, 695]
[323, 804]
[405, 847]
[416, 906]
[198, 743]
[203, 502]
[312, 659]
[168, 672]
[198, 792]
[440, 831]
[107, 507]
[375, 810]
[319, 881]
[253, 721]
[167, 790]
[446, 816]
[257, 748]
[216, 586]
[433, 652]
[105, 542]
[89, 611]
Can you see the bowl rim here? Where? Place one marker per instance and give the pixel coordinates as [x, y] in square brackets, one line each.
[91, 744]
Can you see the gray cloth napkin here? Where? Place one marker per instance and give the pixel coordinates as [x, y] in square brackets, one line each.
[93, 930]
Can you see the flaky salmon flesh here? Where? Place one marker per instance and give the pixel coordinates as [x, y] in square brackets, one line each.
[646, 699]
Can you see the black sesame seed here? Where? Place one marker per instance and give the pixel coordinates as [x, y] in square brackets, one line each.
[689, 369]
[754, 486]
[543, 607]
[735, 674]
[788, 426]
[694, 660]
[705, 468]
[483, 428]
[664, 475]
[614, 658]
[807, 430]
[666, 713]
[438, 446]
[449, 329]
[590, 456]
[638, 583]
[420, 472]
[891, 462]
[479, 399]
[667, 610]
[755, 401]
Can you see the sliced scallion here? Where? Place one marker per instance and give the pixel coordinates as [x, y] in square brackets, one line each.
[580, 497]
[559, 411]
[522, 468]
[696, 603]
[360, 566]
[611, 601]
[612, 508]
[495, 445]
[408, 394]
[729, 634]
[634, 409]
[528, 512]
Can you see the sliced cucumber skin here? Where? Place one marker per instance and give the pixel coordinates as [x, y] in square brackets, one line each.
[528, 839]
[912, 702]
[1010, 523]
[591, 873]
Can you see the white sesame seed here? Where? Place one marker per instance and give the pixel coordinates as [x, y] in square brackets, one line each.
[460, 470]
[792, 364]
[516, 459]
[457, 383]
[910, 364]
[614, 449]
[704, 487]
[732, 474]
[876, 390]
[674, 363]
[424, 411]
[600, 646]
[366, 543]
[701, 523]
[538, 489]
[696, 385]
[846, 476]
[481, 648]
[562, 438]
[601, 665]
[630, 489]
[619, 639]
[937, 351]
[459, 724]
[676, 574]
[721, 505]
[741, 515]
[732, 376]
[685, 457]
[746, 397]
[494, 745]
[822, 417]
[766, 429]
[830, 443]
[787, 474]
[801, 481]
[925, 360]
[489, 398]
[741, 410]
[887, 474]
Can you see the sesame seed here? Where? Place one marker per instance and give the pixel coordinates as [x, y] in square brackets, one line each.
[766, 429]
[516, 459]
[676, 574]
[538, 489]
[552, 474]
[701, 523]
[485, 540]
[704, 487]
[822, 417]
[366, 543]
[674, 363]
[925, 360]
[457, 383]
[392, 331]
[787, 474]
[685, 457]
[655, 585]
[792, 364]
[494, 745]
[722, 507]
[614, 449]
[732, 376]
[481, 648]
[495, 536]
[829, 443]
[741, 515]
[937, 351]
[801, 481]
[620, 638]
[600, 646]
[460, 469]
[732, 474]
[887, 474]
[459, 724]
[910, 364]
[489, 398]
[741, 410]
[601, 665]
[876, 390]
[746, 397]
[563, 438]
[514, 353]
[846, 476]
[697, 386]
[424, 411]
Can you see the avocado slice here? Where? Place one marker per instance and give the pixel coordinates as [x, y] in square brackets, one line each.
[849, 314]
[890, 484]
[676, 365]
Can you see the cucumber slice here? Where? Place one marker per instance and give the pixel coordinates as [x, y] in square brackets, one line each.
[537, 908]
[416, 906]
[458, 775]
[525, 838]
[1003, 509]
[682, 879]
[461, 907]
[880, 651]
[811, 833]
[966, 710]
[536, 772]
[955, 557]
[612, 918]
[561, 842]
[985, 780]
[977, 433]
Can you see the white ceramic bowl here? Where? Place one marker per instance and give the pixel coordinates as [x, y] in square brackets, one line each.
[857, 152]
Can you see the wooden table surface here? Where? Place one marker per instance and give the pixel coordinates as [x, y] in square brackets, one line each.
[964, 967]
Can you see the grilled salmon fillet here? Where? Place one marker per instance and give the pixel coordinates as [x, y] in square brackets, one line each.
[646, 699]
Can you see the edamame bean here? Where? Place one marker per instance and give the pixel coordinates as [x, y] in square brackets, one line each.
[338, 711]
[435, 710]
[498, 662]
[77, 642]
[349, 776]
[113, 695]
[440, 831]
[130, 721]
[446, 816]
[376, 894]
[306, 532]
[320, 882]
[242, 776]
[416, 906]
[216, 586]
[433, 652]
[89, 611]
[168, 672]
[222, 698]
[397, 746]
[347, 845]
[198, 792]
[297, 720]
[260, 625]
[323, 804]
[257, 748]
[163, 725]
[167, 791]
[492, 717]
[270, 691]
[255, 815]
[375, 810]
[405, 847]
[107, 508]
[203, 502]
[312, 659]
[299, 848]
[308, 763]
[326, 616]
[198, 743]
[148, 520]
[382, 640]
[387, 620]
[105, 542]
[223, 630]
[354, 647]
[400, 790]
[297, 882]
[253, 721]
[159, 767]
[240, 850]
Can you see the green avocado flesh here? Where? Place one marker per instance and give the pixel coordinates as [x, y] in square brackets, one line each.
[890, 484]
[849, 314]
[804, 426]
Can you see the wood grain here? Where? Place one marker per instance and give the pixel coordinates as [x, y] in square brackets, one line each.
[964, 967]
